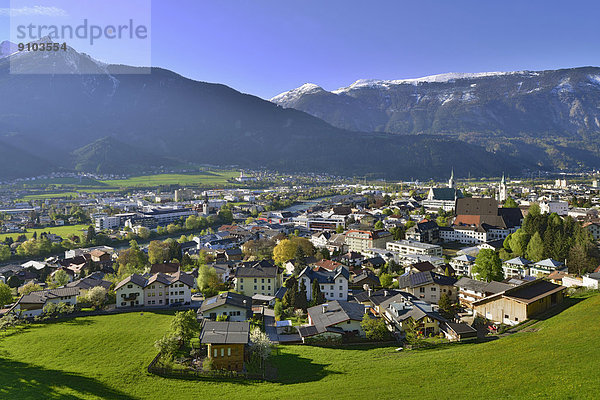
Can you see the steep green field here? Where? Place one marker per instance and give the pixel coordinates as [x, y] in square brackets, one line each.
[104, 357]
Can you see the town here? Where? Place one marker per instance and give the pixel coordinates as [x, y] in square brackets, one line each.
[339, 264]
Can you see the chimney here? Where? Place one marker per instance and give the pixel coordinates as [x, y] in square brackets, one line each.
[369, 291]
[325, 308]
[386, 293]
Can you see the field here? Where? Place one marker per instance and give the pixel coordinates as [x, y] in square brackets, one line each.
[208, 178]
[104, 357]
[63, 231]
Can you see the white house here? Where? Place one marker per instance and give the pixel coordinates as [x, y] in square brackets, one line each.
[333, 283]
[130, 291]
[32, 304]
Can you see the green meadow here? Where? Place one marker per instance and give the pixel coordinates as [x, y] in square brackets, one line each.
[104, 357]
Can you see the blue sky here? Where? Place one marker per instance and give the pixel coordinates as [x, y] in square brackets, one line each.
[265, 47]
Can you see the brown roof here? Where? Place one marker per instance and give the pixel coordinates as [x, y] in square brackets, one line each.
[476, 206]
[327, 264]
[164, 268]
[530, 293]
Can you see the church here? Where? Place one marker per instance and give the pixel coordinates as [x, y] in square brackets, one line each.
[444, 198]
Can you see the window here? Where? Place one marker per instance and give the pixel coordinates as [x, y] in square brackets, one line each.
[242, 288]
[422, 290]
[433, 288]
[216, 352]
[129, 286]
[269, 287]
[269, 280]
[262, 287]
[159, 302]
[229, 351]
[262, 280]
[254, 287]
[222, 352]
[506, 316]
[254, 280]
[341, 295]
[341, 288]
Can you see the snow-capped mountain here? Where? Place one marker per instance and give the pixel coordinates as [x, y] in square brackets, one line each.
[533, 106]
[7, 48]
[112, 120]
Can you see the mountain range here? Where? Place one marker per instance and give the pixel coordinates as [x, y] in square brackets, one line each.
[552, 117]
[121, 119]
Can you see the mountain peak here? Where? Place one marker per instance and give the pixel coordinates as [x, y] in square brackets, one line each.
[7, 48]
[294, 94]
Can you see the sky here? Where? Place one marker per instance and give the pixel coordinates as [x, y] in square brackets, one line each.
[265, 47]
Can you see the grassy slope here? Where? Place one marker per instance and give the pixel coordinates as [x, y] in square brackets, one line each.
[104, 357]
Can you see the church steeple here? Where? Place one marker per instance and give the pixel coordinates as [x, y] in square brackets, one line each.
[451, 180]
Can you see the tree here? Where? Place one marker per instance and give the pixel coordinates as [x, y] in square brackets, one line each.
[5, 252]
[535, 248]
[447, 308]
[208, 279]
[510, 203]
[374, 328]
[260, 345]
[60, 278]
[168, 345]
[185, 325]
[289, 298]
[278, 309]
[339, 229]
[583, 257]
[5, 294]
[143, 232]
[378, 225]
[518, 242]
[412, 333]
[91, 234]
[13, 281]
[284, 251]
[409, 224]
[96, 296]
[534, 210]
[28, 288]
[159, 252]
[317, 296]
[133, 257]
[386, 280]
[488, 266]
[301, 300]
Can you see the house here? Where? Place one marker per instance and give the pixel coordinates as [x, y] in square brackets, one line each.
[404, 247]
[328, 265]
[462, 264]
[362, 240]
[399, 310]
[423, 266]
[334, 319]
[424, 232]
[458, 331]
[32, 304]
[89, 282]
[337, 243]
[227, 342]
[374, 299]
[262, 277]
[365, 277]
[352, 258]
[545, 267]
[479, 220]
[444, 198]
[320, 239]
[593, 228]
[428, 286]
[516, 267]
[471, 290]
[333, 284]
[520, 303]
[374, 262]
[164, 268]
[130, 291]
[234, 306]
[158, 290]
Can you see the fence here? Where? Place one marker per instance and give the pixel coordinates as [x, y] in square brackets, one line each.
[269, 374]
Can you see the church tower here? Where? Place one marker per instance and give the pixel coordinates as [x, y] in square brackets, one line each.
[502, 192]
[451, 180]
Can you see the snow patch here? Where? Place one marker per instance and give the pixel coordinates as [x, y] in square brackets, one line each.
[290, 96]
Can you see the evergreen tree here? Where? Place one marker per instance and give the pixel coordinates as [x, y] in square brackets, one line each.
[91, 234]
[535, 248]
[317, 296]
[301, 300]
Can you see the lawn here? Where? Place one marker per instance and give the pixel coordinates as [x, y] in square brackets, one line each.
[206, 178]
[63, 231]
[105, 356]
